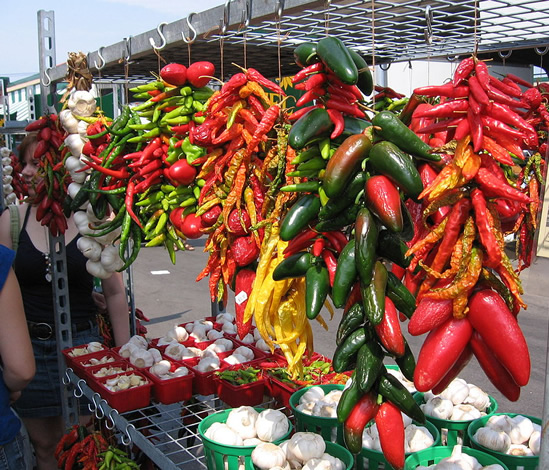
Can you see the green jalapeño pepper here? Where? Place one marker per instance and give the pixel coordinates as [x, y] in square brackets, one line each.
[345, 354]
[373, 294]
[317, 285]
[305, 54]
[337, 59]
[390, 246]
[369, 364]
[345, 274]
[403, 299]
[365, 82]
[391, 128]
[335, 206]
[298, 217]
[393, 390]
[339, 222]
[407, 362]
[295, 265]
[349, 398]
[312, 125]
[350, 321]
[386, 158]
[345, 163]
[366, 234]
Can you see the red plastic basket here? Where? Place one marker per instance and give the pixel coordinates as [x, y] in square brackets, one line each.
[129, 399]
[282, 391]
[172, 390]
[241, 395]
[77, 362]
[203, 382]
[154, 344]
[91, 372]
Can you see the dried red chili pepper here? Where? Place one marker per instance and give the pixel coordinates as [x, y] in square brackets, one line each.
[496, 187]
[448, 109]
[448, 90]
[463, 70]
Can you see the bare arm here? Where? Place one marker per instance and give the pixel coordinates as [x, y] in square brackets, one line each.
[117, 306]
[5, 234]
[15, 345]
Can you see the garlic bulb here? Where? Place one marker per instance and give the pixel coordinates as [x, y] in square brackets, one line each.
[68, 121]
[161, 368]
[500, 423]
[336, 463]
[262, 345]
[306, 408]
[246, 352]
[229, 328]
[522, 429]
[417, 438]
[214, 334]
[535, 442]
[495, 440]
[465, 413]
[290, 458]
[82, 103]
[325, 409]
[208, 364]
[141, 358]
[312, 394]
[457, 391]
[178, 333]
[494, 466]
[333, 396]
[248, 339]
[243, 420]
[235, 359]
[438, 407]
[175, 351]
[224, 317]
[307, 445]
[254, 441]
[267, 456]
[317, 464]
[257, 335]
[519, 450]
[224, 435]
[225, 343]
[271, 425]
[74, 144]
[478, 398]
[458, 460]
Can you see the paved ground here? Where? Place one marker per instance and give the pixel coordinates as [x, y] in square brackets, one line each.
[169, 295]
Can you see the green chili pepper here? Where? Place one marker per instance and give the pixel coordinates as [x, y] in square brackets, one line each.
[295, 265]
[345, 354]
[369, 364]
[350, 321]
[317, 285]
[366, 236]
[298, 217]
[373, 294]
[345, 275]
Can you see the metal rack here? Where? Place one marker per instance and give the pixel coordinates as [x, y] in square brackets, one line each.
[265, 34]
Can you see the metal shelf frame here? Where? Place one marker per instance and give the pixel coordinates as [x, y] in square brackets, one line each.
[382, 30]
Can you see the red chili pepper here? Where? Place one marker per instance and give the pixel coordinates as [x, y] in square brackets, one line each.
[300, 112]
[265, 125]
[318, 247]
[310, 95]
[499, 127]
[315, 81]
[119, 174]
[504, 114]
[244, 280]
[255, 76]
[313, 68]
[460, 364]
[429, 314]
[341, 94]
[339, 122]
[344, 107]
[354, 297]
[478, 92]
[476, 129]
[362, 413]
[507, 143]
[463, 70]
[448, 109]
[149, 167]
[389, 332]
[383, 199]
[500, 97]
[390, 427]
[448, 90]
[152, 178]
[462, 130]
[487, 237]
[128, 201]
[439, 125]
[518, 80]
[337, 240]
[301, 241]
[501, 333]
[440, 351]
[495, 187]
[496, 373]
[398, 271]
[505, 88]
[165, 94]
[37, 125]
[482, 74]
[532, 97]
[331, 264]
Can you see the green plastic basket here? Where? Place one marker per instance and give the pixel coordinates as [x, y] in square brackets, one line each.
[224, 457]
[329, 428]
[343, 454]
[513, 462]
[456, 429]
[374, 459]
[434, 455]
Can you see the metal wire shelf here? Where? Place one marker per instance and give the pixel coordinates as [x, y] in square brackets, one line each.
[390, 31]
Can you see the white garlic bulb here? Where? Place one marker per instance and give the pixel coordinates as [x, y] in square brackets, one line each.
[535, 442]
[438, 407]
[456, 391]
[495, 440]
[465, 413]
[519, 450]
[522, 429]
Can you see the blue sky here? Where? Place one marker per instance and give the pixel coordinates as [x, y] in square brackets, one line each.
[80, 26]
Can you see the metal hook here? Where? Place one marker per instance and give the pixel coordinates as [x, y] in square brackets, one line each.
[189, 40]
[226, 16]
[539, 52]
[99, 411]
[67, 378]
[111, 419]
[126, 438]
[152, 42]
[93, 405]
[428, 31]
[385, 67]
[246, 14]
[451, 58]
[47, 75]
[100, 55]
[279, 9]
[127, 44]
[505, 56]
[79, 392]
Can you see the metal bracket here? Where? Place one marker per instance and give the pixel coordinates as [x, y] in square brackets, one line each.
[188, 39]
[152, 42]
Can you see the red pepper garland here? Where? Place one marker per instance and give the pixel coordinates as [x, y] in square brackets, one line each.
[467, 281]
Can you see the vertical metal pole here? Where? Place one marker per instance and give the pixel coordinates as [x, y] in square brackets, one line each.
[31, 103]
[46, 57]
[63, 330]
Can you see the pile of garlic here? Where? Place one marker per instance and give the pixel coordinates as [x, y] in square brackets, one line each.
[245, 426]
[124, 382]
[304, 450]
[137, 351]
[240, 355]
[177, 334]
[110, 370]
[227, 322]
[7, 178]
[316, 402]
[164, 370]
[416, 438]
[459, 460]
[199, 329]
[95, 361]
[254, 339]
[460, 401]
[517, 436]
[89, 348]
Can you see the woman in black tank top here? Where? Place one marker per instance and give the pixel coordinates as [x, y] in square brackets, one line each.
[40, 404]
